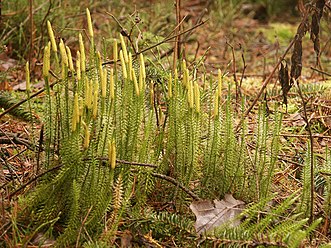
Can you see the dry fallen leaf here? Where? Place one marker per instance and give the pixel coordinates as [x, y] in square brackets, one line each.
[6, 63]
[21, 86]
[211, 214]
[296, 120]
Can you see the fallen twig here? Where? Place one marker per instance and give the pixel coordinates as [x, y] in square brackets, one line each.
[161, 176]
[176, 183]
[305, 135]
[14, 140]
[126, 162]
[319, 71]
[17, 141]
[33, 179]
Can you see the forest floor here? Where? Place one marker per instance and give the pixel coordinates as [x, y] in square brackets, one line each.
[244, 48]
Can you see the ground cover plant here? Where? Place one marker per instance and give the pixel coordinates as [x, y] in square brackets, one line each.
[143, 143]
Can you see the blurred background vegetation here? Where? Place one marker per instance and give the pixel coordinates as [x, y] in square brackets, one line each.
[22, 37]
